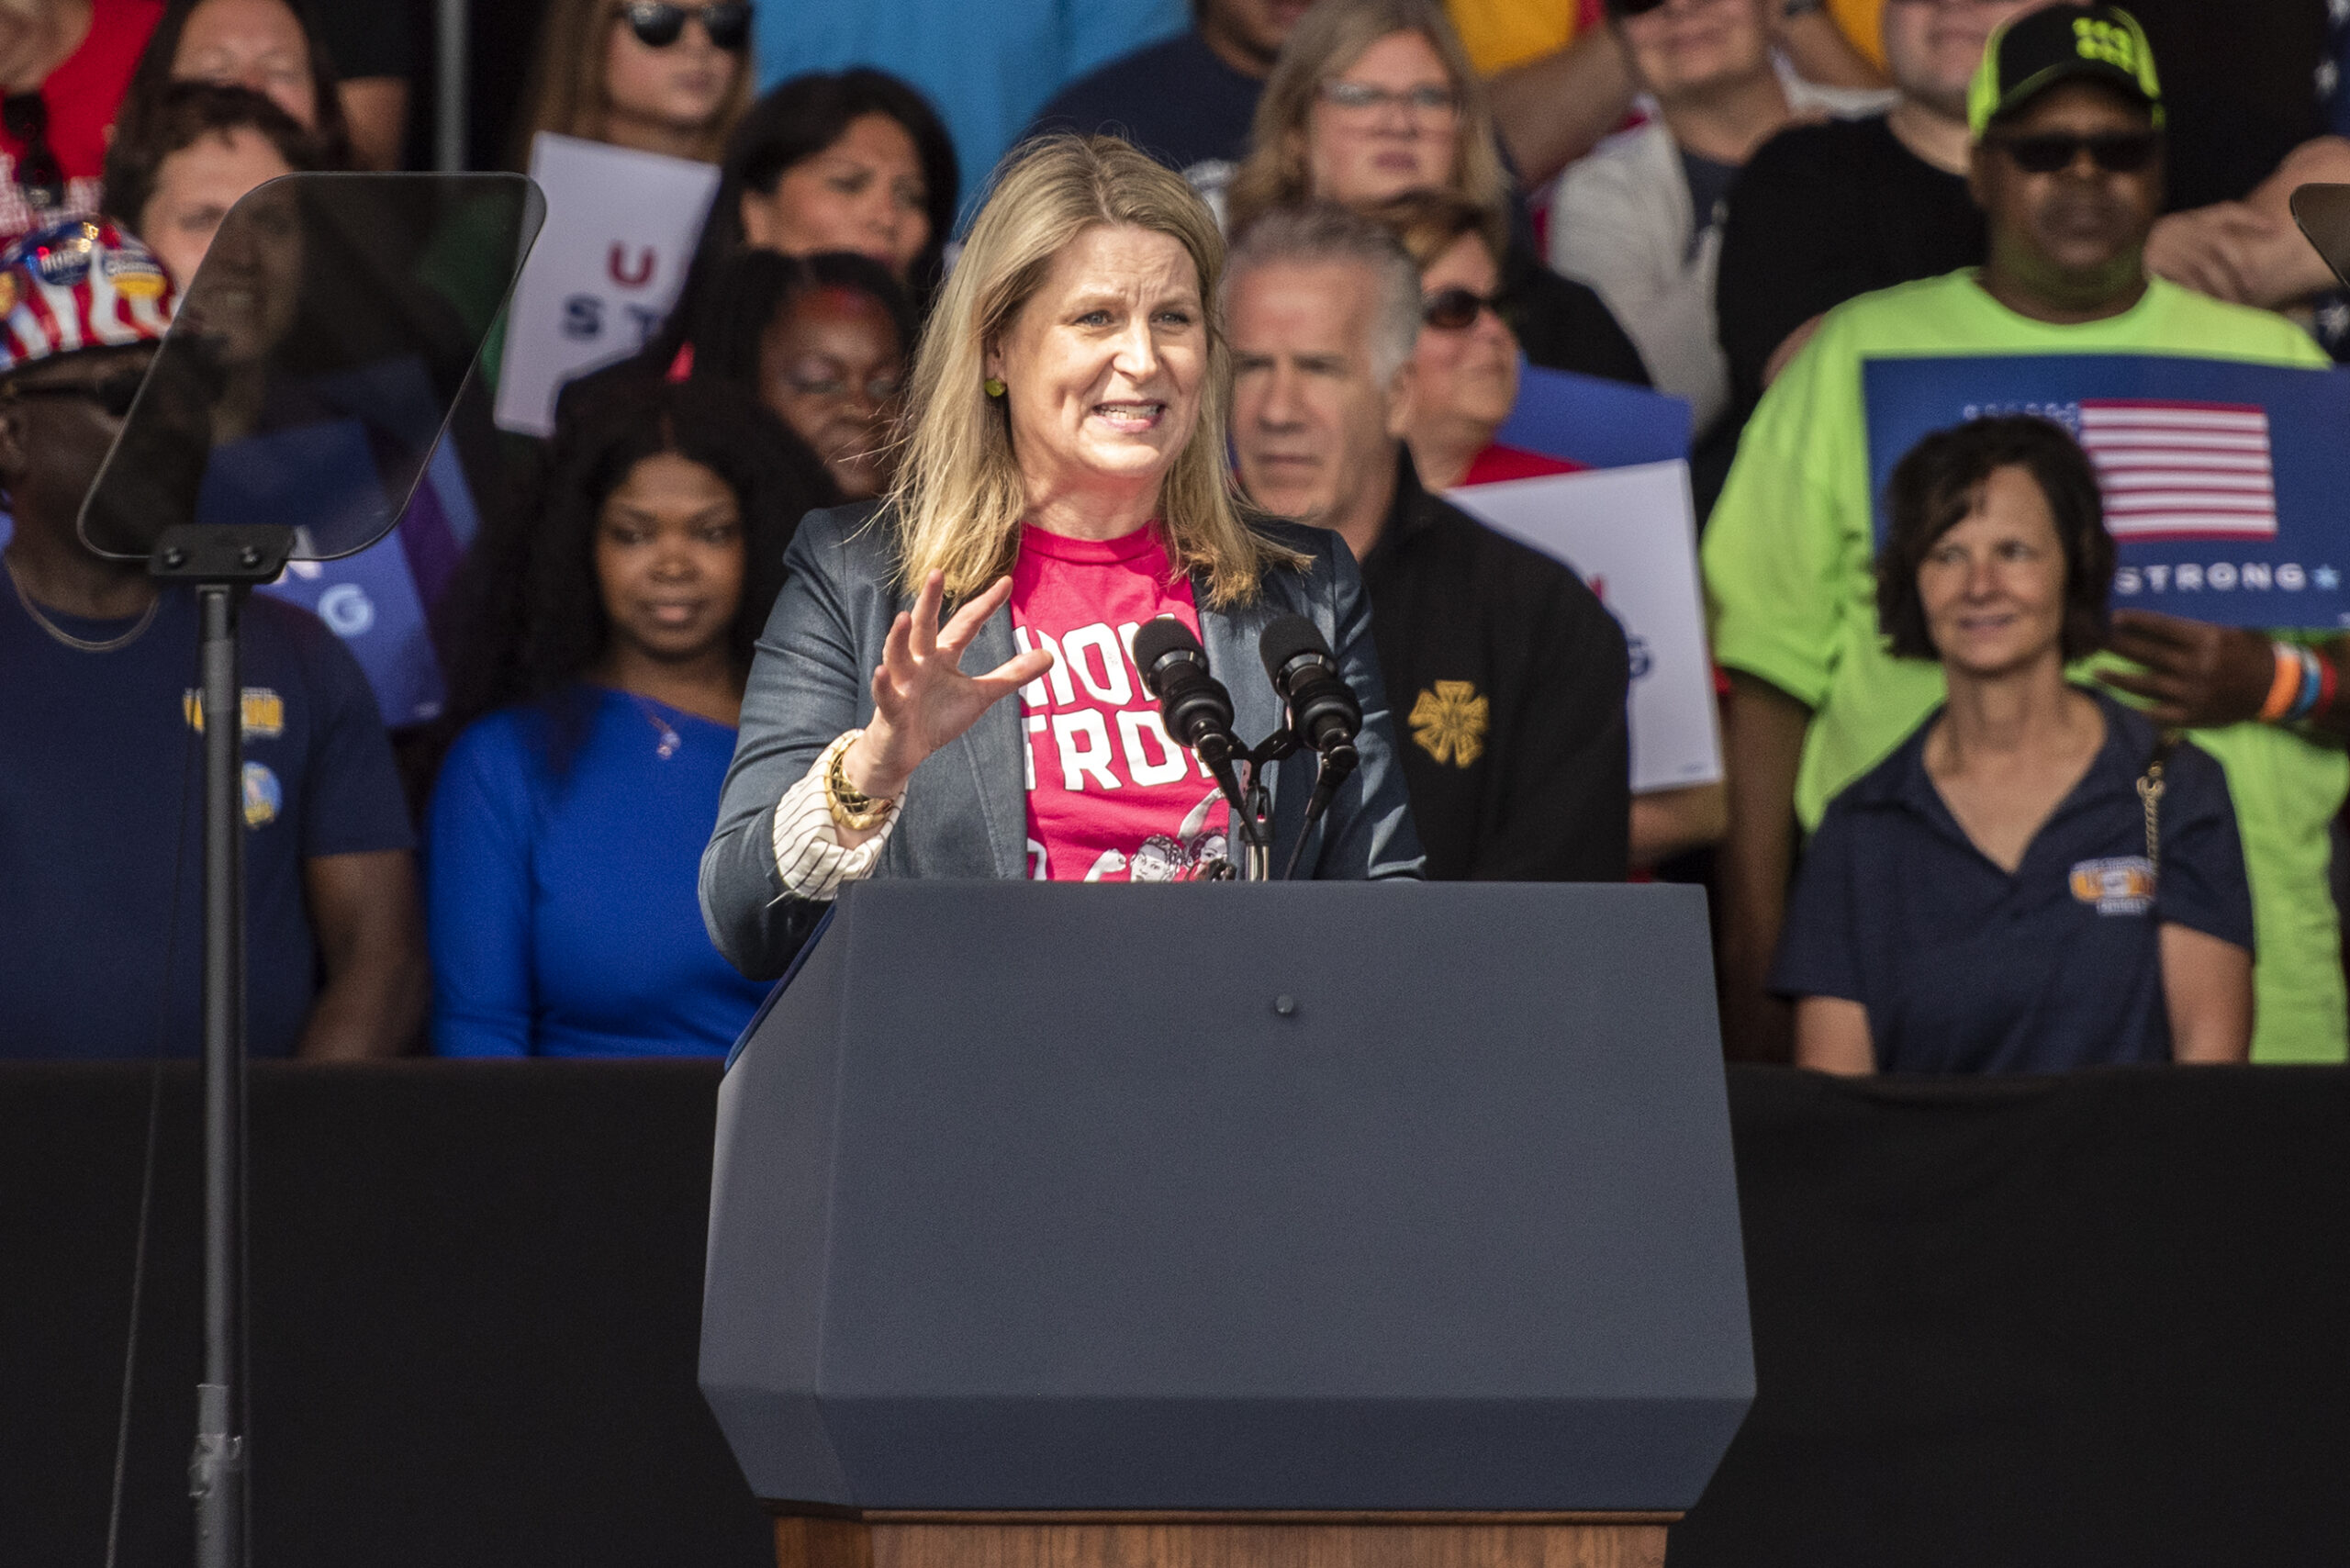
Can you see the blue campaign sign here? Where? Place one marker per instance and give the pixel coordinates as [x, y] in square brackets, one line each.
[2221, 479]
[1597, 422]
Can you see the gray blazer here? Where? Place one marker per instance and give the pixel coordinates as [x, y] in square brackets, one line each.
[967, 811]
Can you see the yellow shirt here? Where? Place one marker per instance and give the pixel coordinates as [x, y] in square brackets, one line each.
[1863, 22]
[1499, 34]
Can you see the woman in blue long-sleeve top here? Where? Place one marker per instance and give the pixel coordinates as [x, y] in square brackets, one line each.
[612, 634]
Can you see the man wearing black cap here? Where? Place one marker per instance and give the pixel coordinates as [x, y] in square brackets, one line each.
[2066, 119]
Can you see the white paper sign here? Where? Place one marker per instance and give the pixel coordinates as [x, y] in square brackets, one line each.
[621, 226]
[1631, 533]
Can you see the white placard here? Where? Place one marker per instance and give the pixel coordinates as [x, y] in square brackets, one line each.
[1631, 533]
[621, 226]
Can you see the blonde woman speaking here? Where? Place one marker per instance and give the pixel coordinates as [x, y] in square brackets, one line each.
[945, 687]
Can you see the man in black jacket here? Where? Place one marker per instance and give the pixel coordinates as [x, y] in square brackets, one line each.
[1508, 674]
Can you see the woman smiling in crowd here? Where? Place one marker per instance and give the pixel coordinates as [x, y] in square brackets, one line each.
[2035, 881]
[1064, 481]
[606, 664]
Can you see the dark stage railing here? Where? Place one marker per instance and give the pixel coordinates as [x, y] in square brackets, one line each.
[2101, 1320]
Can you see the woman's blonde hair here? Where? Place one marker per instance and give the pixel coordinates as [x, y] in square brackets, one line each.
[959, 497]
[1331, 38]
[566, 89]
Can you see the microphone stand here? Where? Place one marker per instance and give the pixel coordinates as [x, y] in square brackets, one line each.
[223, 564]
[1255, 804]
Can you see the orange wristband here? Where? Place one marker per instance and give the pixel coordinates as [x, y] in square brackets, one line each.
[2285, 688]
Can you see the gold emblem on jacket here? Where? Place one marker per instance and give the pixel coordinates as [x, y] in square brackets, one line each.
[1449, 722]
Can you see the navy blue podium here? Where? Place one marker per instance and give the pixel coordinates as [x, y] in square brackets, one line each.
[1231, 1223]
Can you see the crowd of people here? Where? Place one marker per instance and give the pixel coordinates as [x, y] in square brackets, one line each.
[981, 365]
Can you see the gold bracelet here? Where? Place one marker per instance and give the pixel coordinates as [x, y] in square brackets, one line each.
[852, 808]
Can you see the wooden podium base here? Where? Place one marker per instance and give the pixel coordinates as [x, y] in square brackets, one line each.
[834, 1538]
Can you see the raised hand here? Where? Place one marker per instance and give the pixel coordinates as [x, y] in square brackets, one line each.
[921, 699]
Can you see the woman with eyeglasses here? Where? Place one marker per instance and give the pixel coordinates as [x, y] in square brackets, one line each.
[823, 341]
[669, 76]
[1375, 99]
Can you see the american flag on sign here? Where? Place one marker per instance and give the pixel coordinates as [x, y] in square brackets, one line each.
[2175, 470]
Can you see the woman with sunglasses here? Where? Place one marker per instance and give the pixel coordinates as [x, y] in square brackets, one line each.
[651, 74]
[1464, 366]
[1374, 98]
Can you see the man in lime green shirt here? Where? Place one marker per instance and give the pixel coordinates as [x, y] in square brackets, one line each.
[2063, 169]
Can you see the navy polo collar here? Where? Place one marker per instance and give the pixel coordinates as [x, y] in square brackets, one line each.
[1902, 783]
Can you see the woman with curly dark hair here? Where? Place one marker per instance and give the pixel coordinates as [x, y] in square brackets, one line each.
[599, 684]
[854, 161]
[2036, 879]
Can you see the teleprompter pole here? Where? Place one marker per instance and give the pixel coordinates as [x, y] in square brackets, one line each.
[217, 1470]
[222, 564]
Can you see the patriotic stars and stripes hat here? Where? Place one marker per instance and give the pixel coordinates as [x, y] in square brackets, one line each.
[84, 283]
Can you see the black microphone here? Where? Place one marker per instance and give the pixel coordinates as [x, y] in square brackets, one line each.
[1322, 711]
[1193, 704]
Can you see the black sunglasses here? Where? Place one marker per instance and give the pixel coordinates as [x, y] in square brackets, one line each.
[1457, 310]
[2047, 153]
[1634, 7]
[657, 24]
[39, 175]
[115, 392]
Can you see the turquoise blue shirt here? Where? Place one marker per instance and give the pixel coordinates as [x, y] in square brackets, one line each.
[986, 68]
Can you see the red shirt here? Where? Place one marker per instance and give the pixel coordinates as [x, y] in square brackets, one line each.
[1498, 463]
[83, 95]
[1111, 796]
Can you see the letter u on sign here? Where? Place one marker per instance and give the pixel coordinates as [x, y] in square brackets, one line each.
[623, 273]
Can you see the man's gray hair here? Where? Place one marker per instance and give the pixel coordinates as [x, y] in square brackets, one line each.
[1324, 233]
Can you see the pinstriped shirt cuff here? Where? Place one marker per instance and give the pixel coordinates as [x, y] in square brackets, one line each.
[808, 853]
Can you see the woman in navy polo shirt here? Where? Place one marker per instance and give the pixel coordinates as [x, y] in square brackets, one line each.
[1999, 895]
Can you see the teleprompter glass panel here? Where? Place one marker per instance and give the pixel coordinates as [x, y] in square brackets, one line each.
[315, 359]
[2323, 213]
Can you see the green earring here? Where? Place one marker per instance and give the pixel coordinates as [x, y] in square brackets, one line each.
[993, 385]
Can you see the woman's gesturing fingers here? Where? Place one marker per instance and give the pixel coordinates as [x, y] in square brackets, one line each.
[1012, 674]
[921, 699]
[974, 615]
[926, 614]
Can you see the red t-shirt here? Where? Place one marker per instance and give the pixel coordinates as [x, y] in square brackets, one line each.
[83, 95]
[1498, 463]
[1111, 796]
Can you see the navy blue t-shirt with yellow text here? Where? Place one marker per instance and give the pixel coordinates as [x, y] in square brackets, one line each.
[102, 833]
